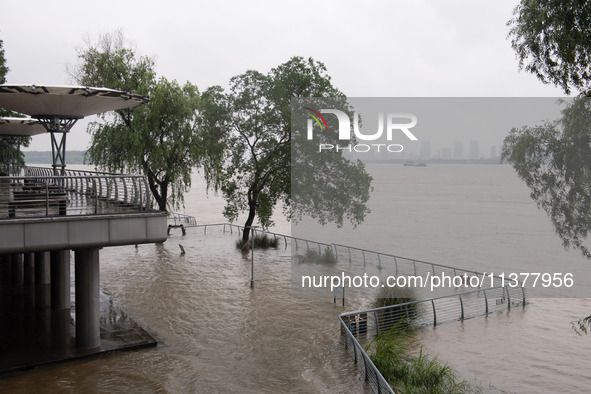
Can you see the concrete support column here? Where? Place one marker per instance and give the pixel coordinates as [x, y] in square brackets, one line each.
[16, 269]
[42, 280]
[60, 279]
[29, 268]
[29, 280]
[17, 290]
[87, 298]
[5, 261]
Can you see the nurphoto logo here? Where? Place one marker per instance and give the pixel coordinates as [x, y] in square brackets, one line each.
[391, 124]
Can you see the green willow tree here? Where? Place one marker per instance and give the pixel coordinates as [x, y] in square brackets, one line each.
[554, 161]
[3, 67]
[160, 139]
[552, 40]
[6, 113]
[255, 117]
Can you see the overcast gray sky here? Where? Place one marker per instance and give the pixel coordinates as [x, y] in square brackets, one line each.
[395, 48]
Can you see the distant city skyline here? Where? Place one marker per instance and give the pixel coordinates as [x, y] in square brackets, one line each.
[424, 152]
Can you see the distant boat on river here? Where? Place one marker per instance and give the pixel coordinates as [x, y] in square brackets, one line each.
[413, 164]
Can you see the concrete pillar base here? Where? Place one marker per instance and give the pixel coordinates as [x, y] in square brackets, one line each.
[42, 280]
[60, 279]
[88, 332]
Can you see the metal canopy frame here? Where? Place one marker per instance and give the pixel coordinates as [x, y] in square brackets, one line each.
[58, 128]
[58, 108]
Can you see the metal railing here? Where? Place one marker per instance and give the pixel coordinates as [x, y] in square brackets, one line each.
[179, 219]
[397, 265]
[488, 297]
[374, 379]
[432, 311]
[40, 193]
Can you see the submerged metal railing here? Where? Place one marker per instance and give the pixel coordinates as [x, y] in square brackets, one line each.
[373, 377]
[393, 264]
[40, 193]
[179, 219]
[478, 294]
[370, 323]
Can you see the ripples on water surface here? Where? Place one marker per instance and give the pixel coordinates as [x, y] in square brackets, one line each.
[218, 335]
[525, 350]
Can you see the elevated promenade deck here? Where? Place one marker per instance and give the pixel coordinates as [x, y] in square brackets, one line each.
[44, 220]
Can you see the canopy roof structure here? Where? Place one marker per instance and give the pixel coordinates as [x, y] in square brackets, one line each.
[71, 102]
[59, 107]
[13, 131]
[20, 127]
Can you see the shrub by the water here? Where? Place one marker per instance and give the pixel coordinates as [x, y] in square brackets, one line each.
[313, 256]
[408, 374]
[389, 317]
[261, 241]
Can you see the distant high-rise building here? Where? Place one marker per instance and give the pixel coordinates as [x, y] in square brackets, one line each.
[458, 150]
[493, 151]
[425, 150]
[474, 151]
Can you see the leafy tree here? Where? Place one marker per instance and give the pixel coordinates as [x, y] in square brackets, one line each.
[553, 160]
[255, 117]
[3, 71]
[3, 67]
[5, 147]
[160, 139]
[552, 39]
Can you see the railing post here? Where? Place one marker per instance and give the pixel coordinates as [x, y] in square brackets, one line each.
[375, 316]
[95, 196]
[461, 306]
[434, 313]
[47, 198]
[508, 299]
[486, 302]
[125, 192]
[141, 195]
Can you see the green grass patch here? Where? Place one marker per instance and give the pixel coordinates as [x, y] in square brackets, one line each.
[313, 256]
[398, 314]
[408, 374]
[261, 241]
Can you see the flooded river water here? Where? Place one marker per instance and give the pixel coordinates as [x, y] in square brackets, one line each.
[216, 334]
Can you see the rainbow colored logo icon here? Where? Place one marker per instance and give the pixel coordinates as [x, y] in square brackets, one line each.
[317, 117]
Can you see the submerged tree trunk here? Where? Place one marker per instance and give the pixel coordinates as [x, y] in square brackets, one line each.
[252, 205]
[158, 188]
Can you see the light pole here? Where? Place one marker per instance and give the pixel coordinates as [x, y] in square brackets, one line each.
[252, 255]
